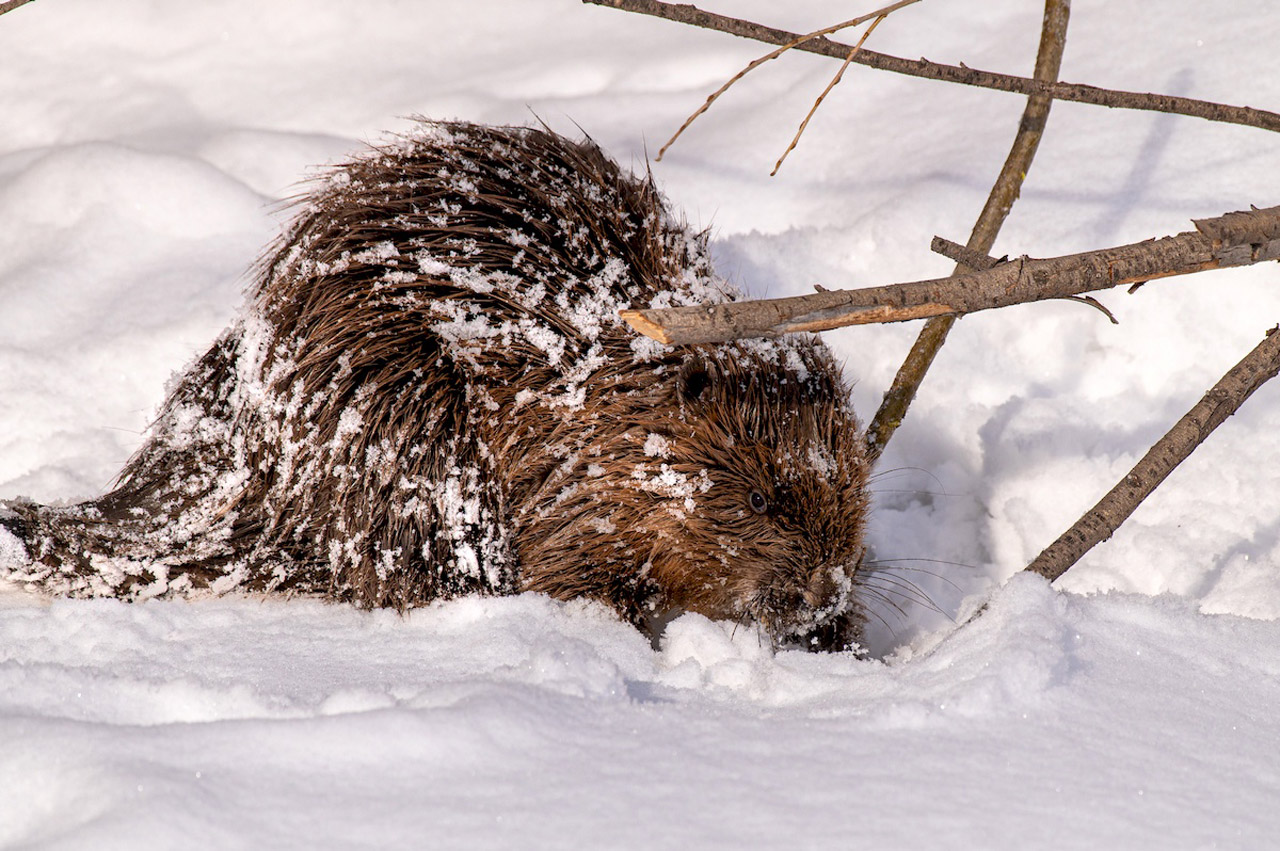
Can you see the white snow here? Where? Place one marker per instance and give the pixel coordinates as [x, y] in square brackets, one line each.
[146, 149]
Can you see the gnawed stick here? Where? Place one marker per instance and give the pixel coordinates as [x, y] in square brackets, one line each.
[1260, 365]
[1208, 110]
[1235, 239]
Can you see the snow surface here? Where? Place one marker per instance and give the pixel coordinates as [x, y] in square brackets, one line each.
[146, 147]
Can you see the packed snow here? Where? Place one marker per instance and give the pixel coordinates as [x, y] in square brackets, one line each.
[148, 147]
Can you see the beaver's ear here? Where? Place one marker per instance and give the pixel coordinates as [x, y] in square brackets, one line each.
[697, 379]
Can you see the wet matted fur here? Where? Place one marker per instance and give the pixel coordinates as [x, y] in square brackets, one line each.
[430, 393]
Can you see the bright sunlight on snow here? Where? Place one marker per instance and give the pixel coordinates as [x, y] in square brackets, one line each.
[147, 149]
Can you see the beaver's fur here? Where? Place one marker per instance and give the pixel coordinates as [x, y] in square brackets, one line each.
[431, 394]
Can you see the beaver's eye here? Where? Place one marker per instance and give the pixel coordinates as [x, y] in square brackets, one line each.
[757, 502]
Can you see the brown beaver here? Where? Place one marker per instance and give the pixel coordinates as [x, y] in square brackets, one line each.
[431, 394]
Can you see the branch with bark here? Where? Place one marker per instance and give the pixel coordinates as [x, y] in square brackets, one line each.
[1004, 192]
[10, 5]
[980, 282]
[1208, 110]
[1222, 400]
[1234, 239]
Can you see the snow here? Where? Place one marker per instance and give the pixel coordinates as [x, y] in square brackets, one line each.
[1053, 721]
[147, 149]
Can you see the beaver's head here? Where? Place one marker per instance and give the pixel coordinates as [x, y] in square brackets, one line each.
[774, 530]
[740, 495]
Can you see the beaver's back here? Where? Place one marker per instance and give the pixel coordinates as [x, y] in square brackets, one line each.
[429, 381]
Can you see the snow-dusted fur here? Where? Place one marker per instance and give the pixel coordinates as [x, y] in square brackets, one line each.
[431, 394]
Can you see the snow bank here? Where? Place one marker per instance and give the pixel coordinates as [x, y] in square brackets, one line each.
[525, 722]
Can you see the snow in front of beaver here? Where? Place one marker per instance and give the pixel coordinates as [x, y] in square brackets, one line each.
[1132, 705]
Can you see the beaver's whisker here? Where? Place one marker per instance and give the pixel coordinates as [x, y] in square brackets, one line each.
[872, 613]
[893, 471]
[909, 492]
[898, 561]
[898, 570]
[881, 596]
[904, 588]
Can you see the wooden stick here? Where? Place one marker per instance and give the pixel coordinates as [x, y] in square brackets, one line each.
[10, 5]
[962, 254]
[1207, 110]
[1259, 366]
[1235, 239]
[1008, 186]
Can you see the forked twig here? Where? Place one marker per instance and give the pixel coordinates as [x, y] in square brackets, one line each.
[774, 54]
[831, 85]
[963, 75]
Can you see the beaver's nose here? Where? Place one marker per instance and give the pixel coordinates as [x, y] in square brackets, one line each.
[820, 587]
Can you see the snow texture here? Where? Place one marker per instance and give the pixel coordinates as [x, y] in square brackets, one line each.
[147, 148]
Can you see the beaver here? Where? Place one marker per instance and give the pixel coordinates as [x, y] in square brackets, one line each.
[429, 393]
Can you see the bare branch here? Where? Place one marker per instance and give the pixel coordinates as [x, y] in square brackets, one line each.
[1207, 110]
[1008, 186]
[10, 5]
[1236, 239]
[962, 254]
[774, 54]
[1260, 365]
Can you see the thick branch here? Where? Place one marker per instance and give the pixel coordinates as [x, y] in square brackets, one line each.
[1260, 365]
[1008, 186]
[952, 73]
[1236, 239]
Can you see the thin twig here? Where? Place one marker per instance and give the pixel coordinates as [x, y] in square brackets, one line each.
[10, 5]
[774, 54]
[906, 383]
[1236, 239]
[953, 73]
[831, 85]
[963, 254]
[1095, 304]
[1260, 365]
